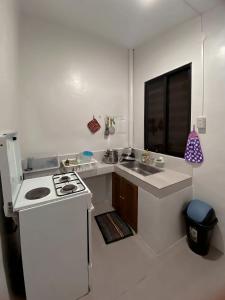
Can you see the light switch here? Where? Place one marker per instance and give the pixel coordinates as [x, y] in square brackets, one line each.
[201, 122]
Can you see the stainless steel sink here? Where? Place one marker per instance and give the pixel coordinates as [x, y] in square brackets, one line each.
[140, 168]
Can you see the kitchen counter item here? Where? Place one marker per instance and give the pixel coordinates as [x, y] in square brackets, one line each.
[145, 157]
[42, 164]
[127, 155]
[110, 157]
[160, 162]
[87, 156]
[73, 164]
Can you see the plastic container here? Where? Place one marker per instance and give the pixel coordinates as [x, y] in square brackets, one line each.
[86, 156]
[160, 162]
[200, 221]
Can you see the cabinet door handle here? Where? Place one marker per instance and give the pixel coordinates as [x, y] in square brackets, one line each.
[122, 198]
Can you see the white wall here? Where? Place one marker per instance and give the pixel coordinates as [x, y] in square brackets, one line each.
[8, 66]
[8, 90]
[66, 77]
[209, 180]
[174, 49]
[165, 53]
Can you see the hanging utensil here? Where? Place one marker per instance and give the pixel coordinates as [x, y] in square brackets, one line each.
[106, 133]
[111, 126]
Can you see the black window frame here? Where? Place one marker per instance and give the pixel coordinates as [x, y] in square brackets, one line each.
[165, 77]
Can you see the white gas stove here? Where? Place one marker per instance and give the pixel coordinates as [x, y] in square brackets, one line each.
[55, 232]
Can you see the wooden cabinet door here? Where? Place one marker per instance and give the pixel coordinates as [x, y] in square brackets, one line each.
[123, 211]
[116, 191]
[125, 200]
[131, 200]
[119, 195]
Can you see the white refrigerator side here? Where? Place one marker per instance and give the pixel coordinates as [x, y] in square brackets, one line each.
[11, 170]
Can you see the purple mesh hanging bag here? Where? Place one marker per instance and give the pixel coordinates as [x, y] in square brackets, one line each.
[193, 152]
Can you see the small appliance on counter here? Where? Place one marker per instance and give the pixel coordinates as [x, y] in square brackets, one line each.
[127, 154]
[110, 157]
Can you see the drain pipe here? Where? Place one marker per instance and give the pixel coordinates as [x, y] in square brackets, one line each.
[131, 99]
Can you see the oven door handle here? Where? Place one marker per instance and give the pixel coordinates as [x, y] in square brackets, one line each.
[90, 210]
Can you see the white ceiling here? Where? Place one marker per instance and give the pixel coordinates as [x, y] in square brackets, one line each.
[125, 22]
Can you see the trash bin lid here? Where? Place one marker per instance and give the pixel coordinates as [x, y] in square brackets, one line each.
[199, 211]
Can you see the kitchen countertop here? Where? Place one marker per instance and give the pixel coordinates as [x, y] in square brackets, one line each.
[100, 169]
[160, 184]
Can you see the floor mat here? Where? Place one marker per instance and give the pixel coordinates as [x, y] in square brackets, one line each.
[112, 227]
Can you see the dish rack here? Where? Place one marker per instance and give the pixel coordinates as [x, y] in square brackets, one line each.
[75, 165]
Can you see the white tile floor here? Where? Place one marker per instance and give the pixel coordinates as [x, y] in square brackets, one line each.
[129, 270]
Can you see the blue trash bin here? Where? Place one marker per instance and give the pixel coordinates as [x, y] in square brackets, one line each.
[200, 220]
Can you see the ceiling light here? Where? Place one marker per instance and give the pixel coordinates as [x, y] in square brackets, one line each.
[146, 2]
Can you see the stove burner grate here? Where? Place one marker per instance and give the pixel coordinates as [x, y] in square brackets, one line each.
[67, 183]
[64, 178]
[69, 187]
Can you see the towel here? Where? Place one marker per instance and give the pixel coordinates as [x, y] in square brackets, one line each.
[193, 152]
[93, 125]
